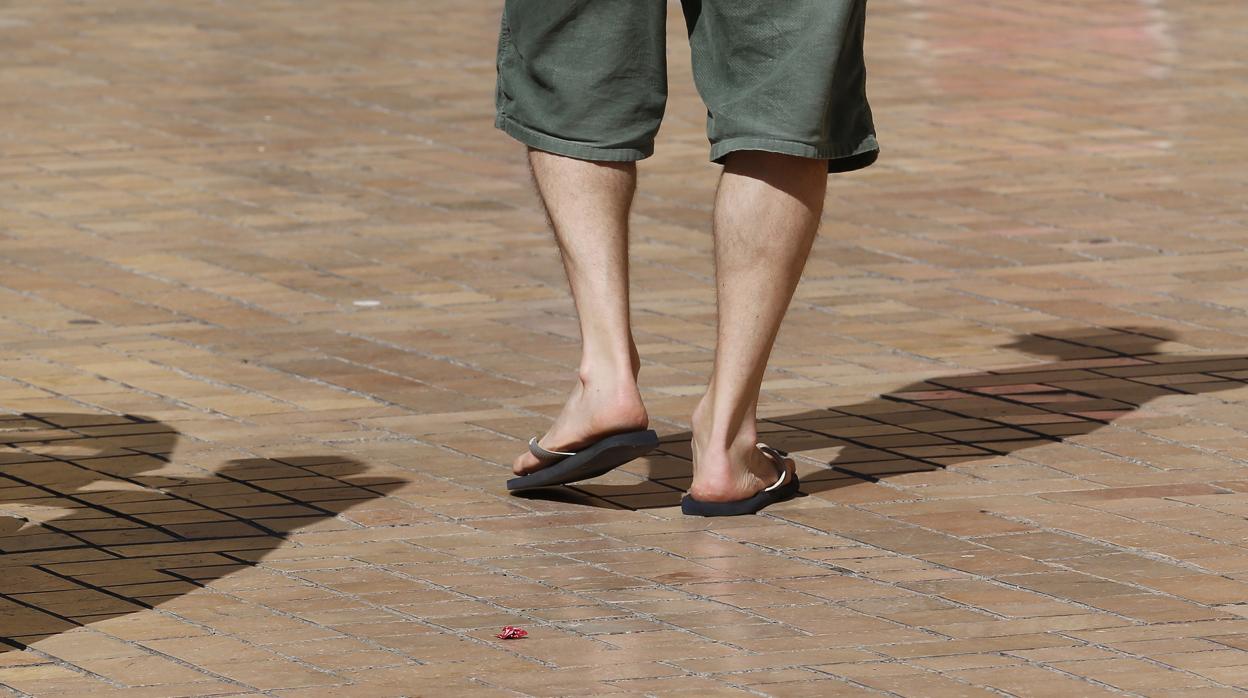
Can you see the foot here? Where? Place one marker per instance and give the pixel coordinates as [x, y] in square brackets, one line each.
[739, 473]
[597, 408]
[736, 472]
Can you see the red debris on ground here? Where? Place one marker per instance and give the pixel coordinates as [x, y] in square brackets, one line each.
[511, 632]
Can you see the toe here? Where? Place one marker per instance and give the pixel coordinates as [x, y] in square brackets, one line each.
[525, 463]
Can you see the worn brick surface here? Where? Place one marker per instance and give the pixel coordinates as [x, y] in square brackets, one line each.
[277, 307]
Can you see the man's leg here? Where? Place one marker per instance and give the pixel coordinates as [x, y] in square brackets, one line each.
[767, 210]
[588, 204]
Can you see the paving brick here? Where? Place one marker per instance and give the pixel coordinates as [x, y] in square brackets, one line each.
[277, 309]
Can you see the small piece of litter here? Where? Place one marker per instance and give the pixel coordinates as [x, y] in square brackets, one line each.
[367, 304]
[511, 632]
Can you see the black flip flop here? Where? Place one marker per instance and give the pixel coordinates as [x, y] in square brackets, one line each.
[591, 461]
[785, 487]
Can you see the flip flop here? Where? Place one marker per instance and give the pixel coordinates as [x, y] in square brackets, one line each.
[785, 487]
[591, 461]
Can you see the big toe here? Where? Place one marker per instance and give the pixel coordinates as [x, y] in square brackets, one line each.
[525, 463]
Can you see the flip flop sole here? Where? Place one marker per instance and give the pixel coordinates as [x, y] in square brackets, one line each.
[753, 505]
[591, 461]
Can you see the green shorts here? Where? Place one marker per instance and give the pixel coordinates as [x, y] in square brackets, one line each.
[588, 78]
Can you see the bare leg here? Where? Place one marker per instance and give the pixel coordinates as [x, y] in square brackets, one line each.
[766, 213]
[588, 204]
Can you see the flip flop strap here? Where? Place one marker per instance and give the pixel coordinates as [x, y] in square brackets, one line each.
[545, 453]
[777, 458]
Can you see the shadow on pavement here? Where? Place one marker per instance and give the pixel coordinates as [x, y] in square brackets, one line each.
[1098, 375]
[89, 530]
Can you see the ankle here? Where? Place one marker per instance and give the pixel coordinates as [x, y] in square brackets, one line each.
[612, 399]
[607, 377]
[721, 444]
[602, 362]
[723, 447]
[719, 438]
[700, 421]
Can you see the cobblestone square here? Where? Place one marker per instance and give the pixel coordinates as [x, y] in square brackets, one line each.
[278, 307]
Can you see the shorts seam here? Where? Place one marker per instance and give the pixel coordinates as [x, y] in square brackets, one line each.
[560, 146]
[775, 145]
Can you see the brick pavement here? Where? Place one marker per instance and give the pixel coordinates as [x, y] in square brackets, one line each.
[277, 306]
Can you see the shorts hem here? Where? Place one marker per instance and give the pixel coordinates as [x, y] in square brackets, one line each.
[840, 158]
[572, 149]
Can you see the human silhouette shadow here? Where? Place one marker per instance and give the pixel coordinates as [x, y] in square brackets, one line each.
[89, 531]
[1098, 376]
